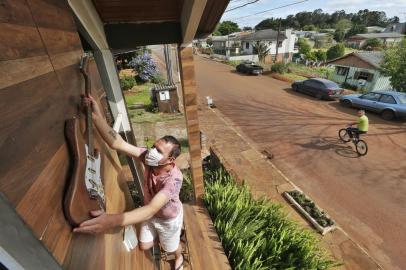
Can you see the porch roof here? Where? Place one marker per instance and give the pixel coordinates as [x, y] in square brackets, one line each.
[157, 21]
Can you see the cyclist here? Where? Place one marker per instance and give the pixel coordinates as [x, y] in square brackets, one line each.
[362, 125]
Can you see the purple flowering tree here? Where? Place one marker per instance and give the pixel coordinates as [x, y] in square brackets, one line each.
[145, 66]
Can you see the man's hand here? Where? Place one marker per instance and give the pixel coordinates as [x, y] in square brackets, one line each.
[101, 222]
[90, 101]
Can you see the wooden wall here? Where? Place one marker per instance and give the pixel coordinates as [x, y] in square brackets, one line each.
[40, 87]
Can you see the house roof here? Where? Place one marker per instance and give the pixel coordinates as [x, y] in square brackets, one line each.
[267, 34]
[379, 35]
[396, 27]
[373, 58]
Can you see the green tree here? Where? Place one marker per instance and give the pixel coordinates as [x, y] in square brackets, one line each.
[372, 43]
[262, 50]
[356, 29]
[321, 55]
[336, 51]
[343, 24]
[309, 27]
[247, 28]
[304, 46]
[311, 56]
[228, 27]
[339, 35]
[394, 65]
[270, 23]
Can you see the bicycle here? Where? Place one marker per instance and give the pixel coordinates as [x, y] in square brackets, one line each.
[360, 145]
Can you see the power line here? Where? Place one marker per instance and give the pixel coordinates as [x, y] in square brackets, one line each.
[291, 4]
[246, 4]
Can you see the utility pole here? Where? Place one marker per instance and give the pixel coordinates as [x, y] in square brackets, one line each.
[277, 41]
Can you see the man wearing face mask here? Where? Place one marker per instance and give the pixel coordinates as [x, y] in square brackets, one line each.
[161, 217]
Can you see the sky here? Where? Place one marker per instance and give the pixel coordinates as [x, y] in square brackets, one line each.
[391, 7]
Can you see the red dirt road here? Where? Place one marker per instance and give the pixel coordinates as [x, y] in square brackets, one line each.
[365, 195]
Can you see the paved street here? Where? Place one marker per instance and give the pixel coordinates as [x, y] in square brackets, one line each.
[366, 196]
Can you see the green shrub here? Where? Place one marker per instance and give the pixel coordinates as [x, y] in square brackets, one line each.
[321, 55]
[158, 79]
[127, 82]
[349, 86]
[186, 192]
[279, 67]
[336, 51]
[256, 234]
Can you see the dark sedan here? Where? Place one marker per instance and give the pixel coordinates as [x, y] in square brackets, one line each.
[250, 68]
[319, 88]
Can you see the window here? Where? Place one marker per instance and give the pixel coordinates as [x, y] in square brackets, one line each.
[331, 85]
[387, 99]
[311, 83]
[371, 96]
[342, 71]
[402, 98]
[247, 45]
[363, 76]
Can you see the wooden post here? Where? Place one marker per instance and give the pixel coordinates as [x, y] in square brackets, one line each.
[187, 73]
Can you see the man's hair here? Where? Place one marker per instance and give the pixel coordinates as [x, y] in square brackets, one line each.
[176, 145]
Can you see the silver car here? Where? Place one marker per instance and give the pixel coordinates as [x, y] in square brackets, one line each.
[389, 104]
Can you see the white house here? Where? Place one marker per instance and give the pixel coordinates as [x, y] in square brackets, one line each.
[241, 46]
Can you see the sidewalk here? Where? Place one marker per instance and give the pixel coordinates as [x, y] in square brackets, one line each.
[245, 163]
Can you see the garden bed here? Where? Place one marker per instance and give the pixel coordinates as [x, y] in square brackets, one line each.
[315, 215]
[257, 234]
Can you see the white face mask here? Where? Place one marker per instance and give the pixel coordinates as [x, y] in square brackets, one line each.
[153, 157]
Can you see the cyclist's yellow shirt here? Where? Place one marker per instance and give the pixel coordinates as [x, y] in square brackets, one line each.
[363, 123]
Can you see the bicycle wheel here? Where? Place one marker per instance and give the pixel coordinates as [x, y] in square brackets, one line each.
[343, 134]
[362, 148]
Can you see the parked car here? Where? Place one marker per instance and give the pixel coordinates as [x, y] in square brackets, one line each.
[389, 104]
[249, 67]
[319, 88]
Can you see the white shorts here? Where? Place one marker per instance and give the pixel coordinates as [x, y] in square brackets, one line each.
[168, 231]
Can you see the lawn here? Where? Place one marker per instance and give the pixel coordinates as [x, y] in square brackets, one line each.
[143, 116]
[315, 71]
[139, 94]
[294, 76]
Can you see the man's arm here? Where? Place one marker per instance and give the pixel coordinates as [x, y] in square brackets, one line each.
[109, 135]
[104, 222]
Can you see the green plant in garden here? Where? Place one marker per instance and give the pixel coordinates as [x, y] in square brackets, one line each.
[279, 67]
[158, 79]
[304, 46]
[262, 50]
[256, 234]
[336, 51]
[127, 82]
[186, 192]
[321, 55]
[372, 43]
[310, 207]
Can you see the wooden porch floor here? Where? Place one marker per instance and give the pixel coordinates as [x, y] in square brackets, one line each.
[205, 249]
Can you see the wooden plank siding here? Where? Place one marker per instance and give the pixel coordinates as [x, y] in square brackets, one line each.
[189, 94]
[40, 87]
